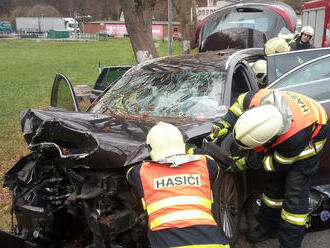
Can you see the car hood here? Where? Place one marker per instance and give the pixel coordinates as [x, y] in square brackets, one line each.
[94, 140]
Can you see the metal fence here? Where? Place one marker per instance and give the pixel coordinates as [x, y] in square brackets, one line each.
[45, 36]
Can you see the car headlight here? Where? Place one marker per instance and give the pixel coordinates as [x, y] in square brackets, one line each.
[313, 200]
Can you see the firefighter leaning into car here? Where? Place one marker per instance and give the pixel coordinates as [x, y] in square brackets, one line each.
[176, 192]
[287, 132]
[276, 45]
[303, 40]
[259, 69]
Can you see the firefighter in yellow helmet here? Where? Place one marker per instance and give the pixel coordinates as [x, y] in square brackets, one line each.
[276, 45]
[303, 41]
[284, 133]
[259, 69]
[175, 189]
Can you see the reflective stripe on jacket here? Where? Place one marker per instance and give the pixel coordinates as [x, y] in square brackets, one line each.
[305, 112]
[177, 197]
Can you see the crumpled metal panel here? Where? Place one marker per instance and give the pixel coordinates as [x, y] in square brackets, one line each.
[95, 140]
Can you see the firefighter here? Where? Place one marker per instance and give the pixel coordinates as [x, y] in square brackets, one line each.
[303, 41]
[259, 69]
[284, 133]
[276, 45]
[175, 189]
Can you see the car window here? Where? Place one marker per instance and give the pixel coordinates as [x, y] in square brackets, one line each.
[312, 80]
[262, 20]
[180, 92]
[279, 64]
[108, 76]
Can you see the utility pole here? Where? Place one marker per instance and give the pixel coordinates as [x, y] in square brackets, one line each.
[170, 17]
[75, 25]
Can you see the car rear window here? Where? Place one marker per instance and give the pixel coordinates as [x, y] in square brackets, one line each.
[262, 20]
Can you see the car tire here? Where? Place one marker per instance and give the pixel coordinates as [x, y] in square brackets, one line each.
[228, 204]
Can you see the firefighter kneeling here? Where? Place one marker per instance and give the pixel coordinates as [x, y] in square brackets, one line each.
[287, 131]
[176, 192]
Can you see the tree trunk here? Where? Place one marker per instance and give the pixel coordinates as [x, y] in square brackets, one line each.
[138, 19]
[183, 9]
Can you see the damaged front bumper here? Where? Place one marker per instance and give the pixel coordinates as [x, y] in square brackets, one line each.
[13, 241]
[319, 201]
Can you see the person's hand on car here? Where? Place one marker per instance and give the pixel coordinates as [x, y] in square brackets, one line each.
[238, 164]
[219, 131]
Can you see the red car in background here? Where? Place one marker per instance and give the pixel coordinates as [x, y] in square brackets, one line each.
[244, 25]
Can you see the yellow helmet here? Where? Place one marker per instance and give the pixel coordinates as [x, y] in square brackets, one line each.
[307, 30]
[165, 140]
[257, 126]
[276, 45]
[259, 68]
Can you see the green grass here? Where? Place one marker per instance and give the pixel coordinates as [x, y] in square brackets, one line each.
[27, 71]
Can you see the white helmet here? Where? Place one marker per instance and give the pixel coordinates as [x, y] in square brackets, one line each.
[276, 45]
[307, 30]
[257, 126]
[165, 140]
[286, 37]
[285, 34]
[259, 68]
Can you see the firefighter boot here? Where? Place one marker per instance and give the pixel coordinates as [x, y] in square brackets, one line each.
[260, 233]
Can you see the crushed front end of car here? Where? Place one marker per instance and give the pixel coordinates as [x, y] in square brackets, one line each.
[62, 191]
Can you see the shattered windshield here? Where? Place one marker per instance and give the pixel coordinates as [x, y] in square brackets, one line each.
[171, 92]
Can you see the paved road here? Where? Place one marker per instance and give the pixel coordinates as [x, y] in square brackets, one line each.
[319, 239]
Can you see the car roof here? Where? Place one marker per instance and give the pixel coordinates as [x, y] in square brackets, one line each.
[201, 61]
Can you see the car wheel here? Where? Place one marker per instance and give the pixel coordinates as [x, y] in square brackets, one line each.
[228, 202]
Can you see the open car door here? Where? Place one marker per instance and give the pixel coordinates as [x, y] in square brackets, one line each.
[63, 96]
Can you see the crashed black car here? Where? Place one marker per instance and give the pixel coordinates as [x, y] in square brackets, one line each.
[73, 186]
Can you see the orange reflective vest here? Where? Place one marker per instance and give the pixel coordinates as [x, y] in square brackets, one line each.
[305, 112]
[177, 197]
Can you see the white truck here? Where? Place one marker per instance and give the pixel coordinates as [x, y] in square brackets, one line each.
[44, 24]
[39, 24]
[71, 25]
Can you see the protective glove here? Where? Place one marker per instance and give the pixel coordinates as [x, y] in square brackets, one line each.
[219, 131]
[190, 149]
[239, 164]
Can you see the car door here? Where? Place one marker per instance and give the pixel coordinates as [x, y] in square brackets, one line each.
[108, 76]
[240, 77]
[312, 79]
[63, 96]
[280, 63]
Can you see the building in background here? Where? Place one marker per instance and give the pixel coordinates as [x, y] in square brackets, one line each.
[118, 29]
[212, 6]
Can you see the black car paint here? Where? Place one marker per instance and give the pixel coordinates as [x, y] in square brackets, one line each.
[74, 179]
[81, 158]
[97, 140]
